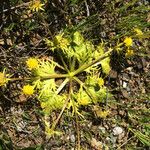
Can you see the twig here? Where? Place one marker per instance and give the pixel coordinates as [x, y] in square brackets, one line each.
[78, 131]
[62, 85]
[106, 101]
[125, 143]
[87, 9]
[64, 107]
[15, 7]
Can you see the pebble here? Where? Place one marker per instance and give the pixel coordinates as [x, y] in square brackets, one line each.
[72, 138]
[102, 129]
[117, 130]
[124, 84]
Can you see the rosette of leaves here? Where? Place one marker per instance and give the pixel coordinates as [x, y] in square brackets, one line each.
[47, 88]
[77, 56]
[78, 50]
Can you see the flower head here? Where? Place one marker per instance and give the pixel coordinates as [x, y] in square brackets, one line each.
[102, 114]
[28, 89]
[100, 81]
[138, 32]
[36, 6]
[2, 79]
[61, 42]
[84, 101]
[32, 63]
[128, 41]
[129, 53]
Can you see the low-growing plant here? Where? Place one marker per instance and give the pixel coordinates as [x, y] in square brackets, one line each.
[73, 78]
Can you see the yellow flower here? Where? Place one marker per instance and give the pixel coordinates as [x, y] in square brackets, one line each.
[102, 114]
[28, 89]
[128, 41]
[100, 81]
[138, 32]
[61, 42]
[36, 6]
[32, 63]
[84, 101]
[2, 79]
[129, 53]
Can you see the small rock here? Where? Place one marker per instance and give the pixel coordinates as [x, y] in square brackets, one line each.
[117, 130]
[129, 68]
[96, 144]
[102, 129]
[108, 139]
[72, 138]
[124, 85]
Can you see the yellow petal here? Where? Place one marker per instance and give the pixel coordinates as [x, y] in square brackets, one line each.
[128, 41]
[28, 89]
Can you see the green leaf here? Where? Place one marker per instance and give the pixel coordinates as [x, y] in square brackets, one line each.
[78, 38]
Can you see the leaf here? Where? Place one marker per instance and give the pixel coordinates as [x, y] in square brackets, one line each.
[78, 38]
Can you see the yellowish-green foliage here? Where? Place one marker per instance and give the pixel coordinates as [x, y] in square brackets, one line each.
[105, 65]
[100, 113]
[83, 98]
[138, 32]
[74, 51]
[129, 53]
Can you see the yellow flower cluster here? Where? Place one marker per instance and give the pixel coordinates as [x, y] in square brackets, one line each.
[32, 63]
[36, 6]
[28, 89]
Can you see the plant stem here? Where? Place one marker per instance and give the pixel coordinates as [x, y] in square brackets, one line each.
[52, 76]
[85, 66]
[85, 88]
[62, 85]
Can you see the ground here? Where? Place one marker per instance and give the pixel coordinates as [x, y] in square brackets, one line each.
[22, 32]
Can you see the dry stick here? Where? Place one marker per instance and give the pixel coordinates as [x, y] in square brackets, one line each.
[15, 7]
[125, 143]
[63, 84]
[52, 76]
[77, 125]
[65, 105]
[78, 132]
[87, 8]
[86, 89]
